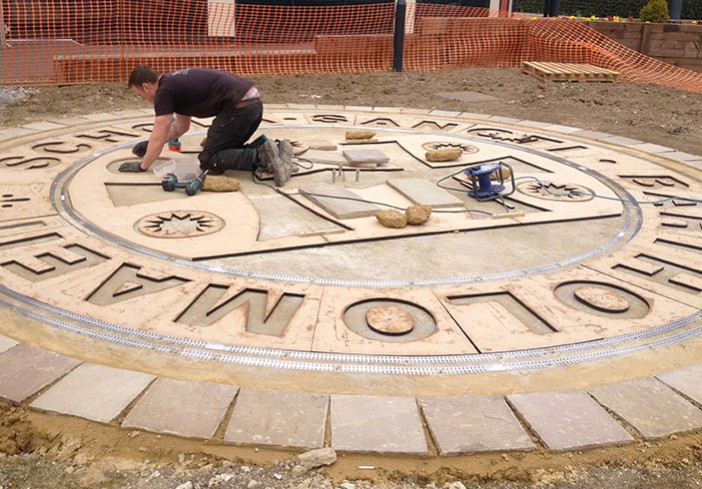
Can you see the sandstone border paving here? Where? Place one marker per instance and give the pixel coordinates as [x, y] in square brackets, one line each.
[651, 407]
[568, 420]
[94, 392]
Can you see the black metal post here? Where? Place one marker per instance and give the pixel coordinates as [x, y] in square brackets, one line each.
[399, 34]
[547, 7]
[675, 9]
[555, 8]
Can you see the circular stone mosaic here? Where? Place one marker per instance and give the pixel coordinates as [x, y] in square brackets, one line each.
[592, 250]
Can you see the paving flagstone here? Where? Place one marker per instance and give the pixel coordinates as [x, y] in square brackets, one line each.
[686, 380]
[193, 409]
[25, 370]
[651, 407]
[473, 424]
[568, 420]
[278, 418]
[377, 424]
[95, 392]
[6, 343]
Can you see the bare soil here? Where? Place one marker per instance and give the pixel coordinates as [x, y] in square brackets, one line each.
[649, 113]
[41, 451]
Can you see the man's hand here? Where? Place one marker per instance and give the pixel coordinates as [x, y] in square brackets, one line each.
[139, 149]
[131, 167]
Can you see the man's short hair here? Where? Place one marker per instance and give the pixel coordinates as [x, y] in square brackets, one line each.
[142, 74]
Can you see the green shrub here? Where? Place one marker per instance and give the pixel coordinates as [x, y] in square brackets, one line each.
[655, 11]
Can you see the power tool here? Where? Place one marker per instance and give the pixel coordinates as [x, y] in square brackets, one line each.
[170, 183]
[481, 178]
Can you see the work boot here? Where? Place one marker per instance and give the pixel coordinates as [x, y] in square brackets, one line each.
[285, 150]
[270, 162]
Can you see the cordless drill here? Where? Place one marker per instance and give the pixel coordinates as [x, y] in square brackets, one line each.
[170, 183]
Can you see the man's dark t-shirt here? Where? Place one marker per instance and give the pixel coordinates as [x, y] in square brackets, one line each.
[198, 92]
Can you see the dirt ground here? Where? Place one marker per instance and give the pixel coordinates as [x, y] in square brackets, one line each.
[38, 452]
[647, 112]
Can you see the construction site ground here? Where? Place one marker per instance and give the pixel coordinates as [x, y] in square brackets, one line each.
[39, 450]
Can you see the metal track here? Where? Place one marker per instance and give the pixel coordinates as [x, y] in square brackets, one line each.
[559, 356]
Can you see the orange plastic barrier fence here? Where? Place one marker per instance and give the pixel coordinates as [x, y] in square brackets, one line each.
[84, 41]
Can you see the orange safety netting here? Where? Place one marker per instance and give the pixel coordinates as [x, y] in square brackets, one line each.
[83, 41]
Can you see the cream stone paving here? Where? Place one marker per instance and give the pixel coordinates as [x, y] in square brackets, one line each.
[376, 424]
[278, 418]
[473, 424]
[95, 392]
[687, 381]
[568, 420]
[6, 343]
[190, 409]
[43, 126]
[24, 370]
[651, 407]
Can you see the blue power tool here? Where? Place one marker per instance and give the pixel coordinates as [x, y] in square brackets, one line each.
[170, 183]
[488, 181]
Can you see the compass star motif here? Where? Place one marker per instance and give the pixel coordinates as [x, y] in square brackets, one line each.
[435, 146]
[566, 192]
[180, 224]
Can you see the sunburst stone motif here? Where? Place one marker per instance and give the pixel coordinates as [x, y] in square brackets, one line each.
[562, 192]
[437, 145]
[180, 224]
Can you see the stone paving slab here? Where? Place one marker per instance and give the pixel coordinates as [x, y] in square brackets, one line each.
[651, 407]
[568, 420]
[6, 343]
[376, 424]
[596, 135]
[43, 126]
[192, 409]
[14, 132]
[622, 141]
[682, 157]
[562, 129]
[95, 392]
[422, 192]
[506, 120]
[25, 370]
[278, 418]
[473, 424]
[686, 380]
[652, 148]
[347, 208]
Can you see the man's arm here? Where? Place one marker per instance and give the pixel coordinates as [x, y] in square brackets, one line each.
[157, 140]
[179, 126]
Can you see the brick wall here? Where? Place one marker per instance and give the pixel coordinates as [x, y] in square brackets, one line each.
[677, 44]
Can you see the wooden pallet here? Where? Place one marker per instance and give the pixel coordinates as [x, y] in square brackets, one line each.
[569, 72]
